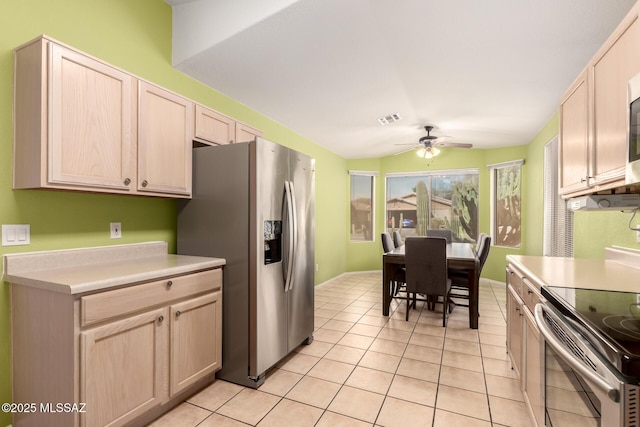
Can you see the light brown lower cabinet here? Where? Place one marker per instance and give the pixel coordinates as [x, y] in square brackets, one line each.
[533, 381]
[515, 340]
[523, 340]
[124, 356]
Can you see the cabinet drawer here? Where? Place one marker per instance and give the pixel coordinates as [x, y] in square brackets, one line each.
[98, 307]
[530, 295]
[516, 282]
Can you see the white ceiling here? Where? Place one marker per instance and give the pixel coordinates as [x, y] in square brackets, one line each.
[486, 72]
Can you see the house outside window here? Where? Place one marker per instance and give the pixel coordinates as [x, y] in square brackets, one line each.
[362, 205]
[421, 201]
[506, 203]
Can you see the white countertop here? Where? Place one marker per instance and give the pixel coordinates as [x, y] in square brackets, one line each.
[77, 271]
[619, 273]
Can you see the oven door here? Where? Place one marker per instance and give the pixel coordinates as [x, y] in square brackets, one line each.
[581, 389]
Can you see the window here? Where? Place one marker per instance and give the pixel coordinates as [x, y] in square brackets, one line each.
[420, 201]
[506, 203]
[558, 220]
[362, 187]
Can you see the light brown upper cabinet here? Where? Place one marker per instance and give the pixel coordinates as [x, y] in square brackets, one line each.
[245, 133]
[81, 124]
[73, 121]
[212, 127]
[593, 114]
[614, 64]
[574, 136]
[165, 135]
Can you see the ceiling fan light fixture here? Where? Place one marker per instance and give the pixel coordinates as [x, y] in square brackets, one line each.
[427, 152]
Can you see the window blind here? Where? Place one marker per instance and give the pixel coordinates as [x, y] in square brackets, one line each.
[558, 220]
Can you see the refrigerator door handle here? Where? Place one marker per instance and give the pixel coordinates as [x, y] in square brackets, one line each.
[290, 234]
[294, 246]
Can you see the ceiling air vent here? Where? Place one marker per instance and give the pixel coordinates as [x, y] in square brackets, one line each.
[389, 119]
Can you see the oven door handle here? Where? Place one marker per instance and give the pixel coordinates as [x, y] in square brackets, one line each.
[570, 358]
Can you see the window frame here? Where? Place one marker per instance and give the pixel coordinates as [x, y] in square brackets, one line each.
[372, 176]
[493, 171]
[430, 175]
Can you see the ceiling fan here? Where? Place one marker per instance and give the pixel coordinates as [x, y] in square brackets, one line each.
[428, 145]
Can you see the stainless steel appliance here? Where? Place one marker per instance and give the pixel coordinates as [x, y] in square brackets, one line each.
[632, 173]
[253, 205]
[592, 357]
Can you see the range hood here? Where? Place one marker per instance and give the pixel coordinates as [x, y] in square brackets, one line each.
[607, 202]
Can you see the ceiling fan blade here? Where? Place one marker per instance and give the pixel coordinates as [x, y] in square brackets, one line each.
[454, 144]
[408, 143]
[404, 151]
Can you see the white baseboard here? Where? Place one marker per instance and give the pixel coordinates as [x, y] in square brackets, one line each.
[347, 273]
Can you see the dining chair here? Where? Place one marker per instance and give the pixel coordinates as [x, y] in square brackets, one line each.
[460, 278]
[397, 238]
[399, 276]
[387, 242]
[447, 234]
[426, 272]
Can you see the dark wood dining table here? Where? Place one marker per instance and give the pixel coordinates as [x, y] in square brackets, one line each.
[460, 256]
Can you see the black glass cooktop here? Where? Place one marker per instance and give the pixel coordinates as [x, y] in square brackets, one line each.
[610, 320]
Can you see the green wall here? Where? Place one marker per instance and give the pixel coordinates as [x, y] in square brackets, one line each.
[134, 35]
[368, 255]
[593, 231]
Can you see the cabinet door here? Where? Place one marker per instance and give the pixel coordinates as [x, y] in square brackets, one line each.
[123, 366]
[514, 329]
[196, 340]
[213, 127]
[165, 135]
[574, 137]
[245, 133]
[533, 371]
[613, 66]
[90, 109]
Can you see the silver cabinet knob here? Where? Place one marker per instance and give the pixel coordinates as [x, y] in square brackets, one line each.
[127, 181]
[169, 283]
[160, 319]
[178, 313]
[145, 183]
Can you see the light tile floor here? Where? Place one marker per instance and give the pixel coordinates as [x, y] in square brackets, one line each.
[364, 369]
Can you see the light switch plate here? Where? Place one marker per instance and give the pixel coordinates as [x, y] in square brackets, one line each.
[16, 234]
[116, 230]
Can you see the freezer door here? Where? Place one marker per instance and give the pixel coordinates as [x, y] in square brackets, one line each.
[300, 295]
[268, 302]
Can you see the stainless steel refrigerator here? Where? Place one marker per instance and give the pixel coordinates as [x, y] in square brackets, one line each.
[253, 205]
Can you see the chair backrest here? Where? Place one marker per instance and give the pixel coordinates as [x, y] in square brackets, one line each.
[447, 234]
[397, 238]
[483, 251]
[387, 242]
[426, 264]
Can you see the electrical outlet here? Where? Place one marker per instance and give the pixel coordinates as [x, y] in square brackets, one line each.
[638, 233]
[317, 267]
[116, 230]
